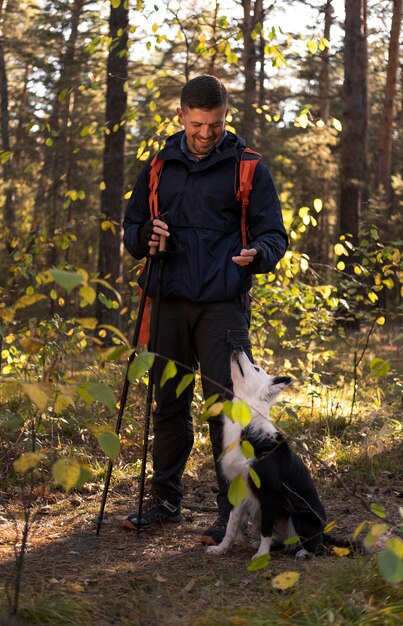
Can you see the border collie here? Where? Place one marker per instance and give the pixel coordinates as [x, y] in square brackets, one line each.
[286, 499]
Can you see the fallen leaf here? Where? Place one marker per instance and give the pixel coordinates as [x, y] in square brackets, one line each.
[286, 580]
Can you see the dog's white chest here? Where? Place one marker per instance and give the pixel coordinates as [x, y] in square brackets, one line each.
[233, 462]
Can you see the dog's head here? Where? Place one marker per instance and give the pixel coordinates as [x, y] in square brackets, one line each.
[252, 384]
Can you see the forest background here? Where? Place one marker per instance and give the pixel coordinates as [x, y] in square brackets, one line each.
[88, 91]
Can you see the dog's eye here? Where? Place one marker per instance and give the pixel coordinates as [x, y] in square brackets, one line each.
[257, 369]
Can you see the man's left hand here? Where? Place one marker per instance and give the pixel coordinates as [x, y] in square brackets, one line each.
[246, 256]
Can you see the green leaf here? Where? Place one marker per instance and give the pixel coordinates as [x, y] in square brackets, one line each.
[66, 473]
[255, 477]
[291, 540]
[376, 531]
[379, 367]
[103, 394]
[67, 280]
[141, 364]
[237, 491]
[185, 382]
[11, 421]
[227, 408]
[27, 461]
[247, 450]
[259, 563]
[109, 443]
[390, 561]
[170, 371]
[241, 413]
[378, 510]
[85, 474]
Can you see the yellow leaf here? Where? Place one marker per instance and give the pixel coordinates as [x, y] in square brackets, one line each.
[27, 462]
[341, 266]
[154, 27]
[380, 321]
[286, 580]
[102, 186]
[38, 394]
[341, 551]
[318, 205]
[66, 472]
[329, 527]
[87, 322]
[88, 294]
[372, 297]
[63, 401]
[31, 345]
[337, 124]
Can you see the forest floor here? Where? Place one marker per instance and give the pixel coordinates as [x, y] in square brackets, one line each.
[164, 577]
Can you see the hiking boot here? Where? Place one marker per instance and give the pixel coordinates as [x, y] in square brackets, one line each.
[215, 533]
[160, 513]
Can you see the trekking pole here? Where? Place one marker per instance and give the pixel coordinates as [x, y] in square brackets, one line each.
[123, 399]
[153, 348]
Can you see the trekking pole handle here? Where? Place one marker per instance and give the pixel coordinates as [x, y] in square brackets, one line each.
[162, 242]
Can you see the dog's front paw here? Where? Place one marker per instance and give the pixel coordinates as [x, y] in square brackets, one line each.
[216, 550]
[303, 554]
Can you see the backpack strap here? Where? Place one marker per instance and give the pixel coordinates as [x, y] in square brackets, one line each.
[156, 166]
[247, 165]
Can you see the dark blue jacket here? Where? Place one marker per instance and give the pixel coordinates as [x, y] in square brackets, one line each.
[205, 222]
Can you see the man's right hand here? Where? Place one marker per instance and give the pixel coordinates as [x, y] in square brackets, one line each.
[151, 232]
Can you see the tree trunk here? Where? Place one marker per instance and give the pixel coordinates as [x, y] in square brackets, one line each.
[386, 126]
[354, 150]
[8, 209]
[252, 15]
[110, 248]
[49, 197]
[324, 77]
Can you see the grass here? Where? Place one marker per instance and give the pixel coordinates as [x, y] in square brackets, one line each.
[165, 578]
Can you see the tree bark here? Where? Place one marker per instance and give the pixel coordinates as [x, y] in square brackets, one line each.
[252, 15]
[324, 75]
[110, 248]
[386, 126]
[8, 209]
[354, 146]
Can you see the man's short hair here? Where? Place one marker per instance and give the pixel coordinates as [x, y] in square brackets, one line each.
[203, 92]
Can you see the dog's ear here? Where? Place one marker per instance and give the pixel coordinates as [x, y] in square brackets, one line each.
[276, 385]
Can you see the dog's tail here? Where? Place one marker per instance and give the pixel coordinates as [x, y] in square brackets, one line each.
[330, 542]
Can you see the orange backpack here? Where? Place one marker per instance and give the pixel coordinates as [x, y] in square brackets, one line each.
[247, 168]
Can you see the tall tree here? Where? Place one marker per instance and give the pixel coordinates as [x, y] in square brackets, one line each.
[354, 151]
[252, 19]
[8, 210]
[324, 74]
[386, 125]
[110, 248]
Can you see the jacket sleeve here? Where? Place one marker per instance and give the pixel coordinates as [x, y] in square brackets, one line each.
[265, 222]
[137, 213]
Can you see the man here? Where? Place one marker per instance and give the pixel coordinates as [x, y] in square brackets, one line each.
[204, 310]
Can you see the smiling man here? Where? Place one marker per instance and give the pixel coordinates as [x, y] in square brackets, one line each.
[205, 305]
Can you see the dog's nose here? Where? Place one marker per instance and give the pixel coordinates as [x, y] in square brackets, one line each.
[236, 352]
[282, 380]
[278, 436]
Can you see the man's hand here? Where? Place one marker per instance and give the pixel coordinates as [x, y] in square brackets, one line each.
[151, 232]
[160, 229]
[246, 256]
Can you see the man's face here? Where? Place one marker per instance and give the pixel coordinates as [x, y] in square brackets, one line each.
[203, 129]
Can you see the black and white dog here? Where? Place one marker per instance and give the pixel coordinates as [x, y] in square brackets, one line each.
[286, 500]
